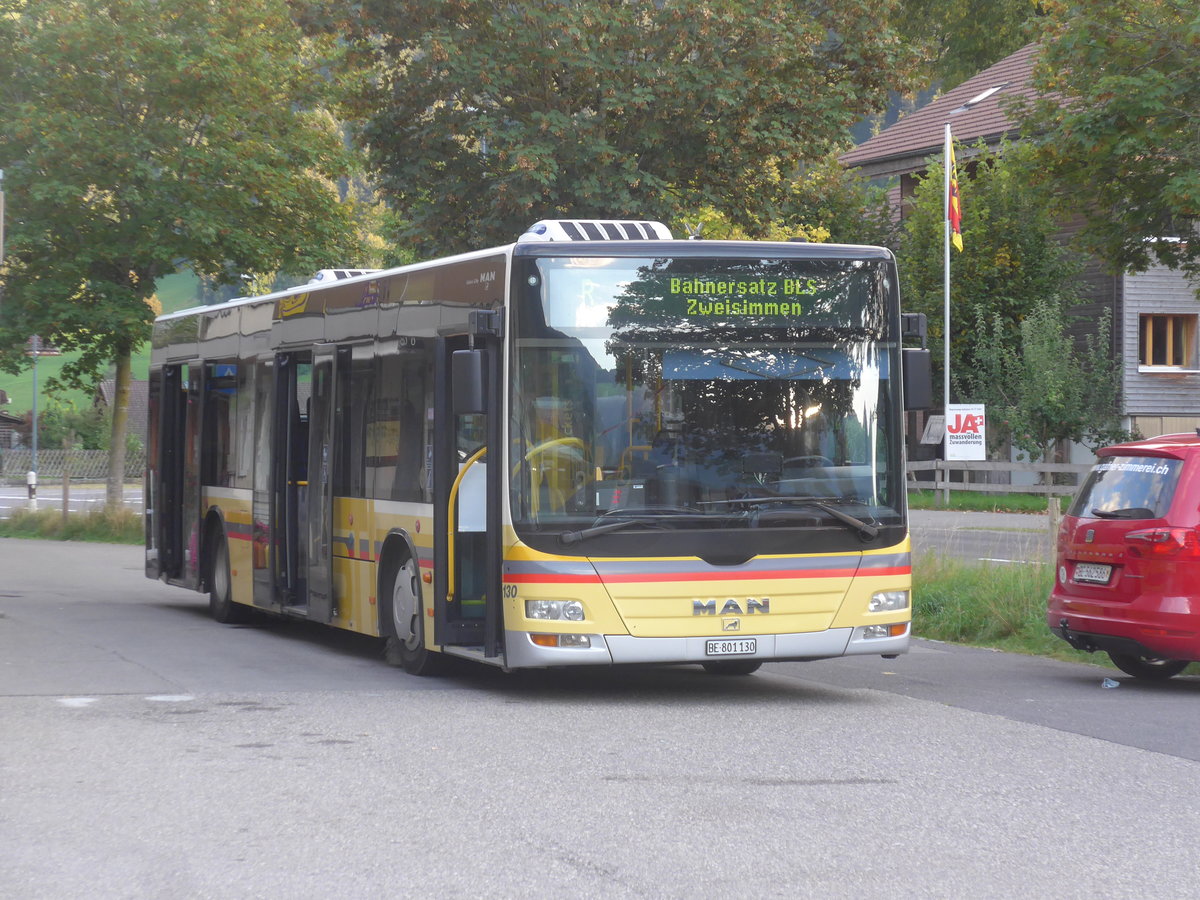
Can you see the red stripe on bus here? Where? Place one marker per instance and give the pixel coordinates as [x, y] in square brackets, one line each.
[630, 578]
[726, 576]
[551, 579]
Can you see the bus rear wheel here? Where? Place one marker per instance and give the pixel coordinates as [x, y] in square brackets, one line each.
[220, 584]
[405, 646]
[732, 667]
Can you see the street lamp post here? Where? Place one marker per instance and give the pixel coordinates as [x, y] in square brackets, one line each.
[31, 479]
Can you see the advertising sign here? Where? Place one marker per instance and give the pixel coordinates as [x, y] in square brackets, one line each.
[966, 431]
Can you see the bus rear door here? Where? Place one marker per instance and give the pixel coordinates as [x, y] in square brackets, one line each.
[301, 482]
[174, 504]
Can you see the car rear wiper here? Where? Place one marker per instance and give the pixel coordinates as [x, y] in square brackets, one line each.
[1132, 512]
[865, 530]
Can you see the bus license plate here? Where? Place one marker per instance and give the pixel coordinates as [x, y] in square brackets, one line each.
[1092, 573]
[731, 647]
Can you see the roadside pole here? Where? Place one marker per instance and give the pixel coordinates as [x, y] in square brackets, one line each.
[1054, 510]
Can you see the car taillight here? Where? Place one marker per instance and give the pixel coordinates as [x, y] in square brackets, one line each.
[1176, 543]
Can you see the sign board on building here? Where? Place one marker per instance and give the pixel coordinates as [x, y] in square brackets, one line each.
[966, 431]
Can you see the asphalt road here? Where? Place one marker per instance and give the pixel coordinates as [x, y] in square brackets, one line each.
[80, 497]
[147, 752]
[990, 537]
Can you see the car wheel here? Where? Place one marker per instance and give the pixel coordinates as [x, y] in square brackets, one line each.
[1148, 667]
[732, 667]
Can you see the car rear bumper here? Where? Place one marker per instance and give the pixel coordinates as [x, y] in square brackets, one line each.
[1146, 627]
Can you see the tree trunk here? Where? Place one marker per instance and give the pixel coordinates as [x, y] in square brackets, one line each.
[120, 421]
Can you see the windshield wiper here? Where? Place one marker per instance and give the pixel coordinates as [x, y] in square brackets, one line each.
[1133, 512]
[865, 530]
[574, 537]
[647, 515]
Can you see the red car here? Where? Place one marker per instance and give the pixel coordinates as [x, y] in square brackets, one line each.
[1128, 561]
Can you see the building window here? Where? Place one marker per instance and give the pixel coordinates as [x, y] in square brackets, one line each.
[1167, 341]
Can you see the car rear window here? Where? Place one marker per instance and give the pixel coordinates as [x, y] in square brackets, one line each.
[1128, 487]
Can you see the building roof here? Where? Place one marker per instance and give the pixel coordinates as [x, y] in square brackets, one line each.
[139, 402]
[922, 133]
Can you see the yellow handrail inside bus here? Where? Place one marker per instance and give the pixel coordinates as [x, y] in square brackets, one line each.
[536, 476]
[451, 519]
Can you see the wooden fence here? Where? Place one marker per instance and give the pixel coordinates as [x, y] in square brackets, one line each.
[969, 481]
[79, 465]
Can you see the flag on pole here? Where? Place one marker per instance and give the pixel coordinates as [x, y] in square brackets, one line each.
[953, 204]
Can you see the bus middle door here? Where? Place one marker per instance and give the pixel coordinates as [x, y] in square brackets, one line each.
[289, 479]
[319, 517]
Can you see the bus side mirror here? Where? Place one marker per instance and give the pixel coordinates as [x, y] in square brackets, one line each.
[918, 379]
[468, 382]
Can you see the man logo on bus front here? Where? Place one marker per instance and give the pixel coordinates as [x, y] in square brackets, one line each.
[732, 607]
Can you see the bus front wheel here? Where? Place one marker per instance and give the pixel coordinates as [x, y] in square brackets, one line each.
[405, 645]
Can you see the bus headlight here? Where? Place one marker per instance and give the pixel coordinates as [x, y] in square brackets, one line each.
[872, 632]
[569, 610]
[886, 601]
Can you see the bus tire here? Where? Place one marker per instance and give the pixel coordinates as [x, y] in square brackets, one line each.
[404, 618]
[732, 667]
[220, 583]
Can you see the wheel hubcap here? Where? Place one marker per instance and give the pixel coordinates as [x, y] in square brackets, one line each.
[406, 606]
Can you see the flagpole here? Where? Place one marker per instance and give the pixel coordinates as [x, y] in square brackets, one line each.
[946, 283]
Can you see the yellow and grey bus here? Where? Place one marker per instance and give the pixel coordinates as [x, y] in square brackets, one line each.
[596, 445]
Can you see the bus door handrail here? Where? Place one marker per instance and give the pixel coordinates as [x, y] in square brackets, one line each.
[451, 518]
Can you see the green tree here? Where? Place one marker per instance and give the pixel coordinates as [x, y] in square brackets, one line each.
[140, 135]
[1010, 256]
[1046, 390]
[963, 37]
[824, 202]
[63, 424]
[1116, 125]
[849, 208]
[485, 116]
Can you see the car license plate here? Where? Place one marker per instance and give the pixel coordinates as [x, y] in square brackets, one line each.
[731, 647]
[1092, 573]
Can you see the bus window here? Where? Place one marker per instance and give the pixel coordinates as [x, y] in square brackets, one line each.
[220, 435]
[395, 433]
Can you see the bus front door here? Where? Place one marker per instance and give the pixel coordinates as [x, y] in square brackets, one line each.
[467, 607]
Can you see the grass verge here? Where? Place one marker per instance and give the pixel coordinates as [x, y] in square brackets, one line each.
[1001, 607]
[998, 606]
[101, 525]
[980, 501]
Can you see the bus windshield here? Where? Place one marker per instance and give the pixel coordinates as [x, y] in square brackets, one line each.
[703, 393]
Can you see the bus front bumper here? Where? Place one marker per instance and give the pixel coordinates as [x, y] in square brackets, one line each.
[615, 649]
